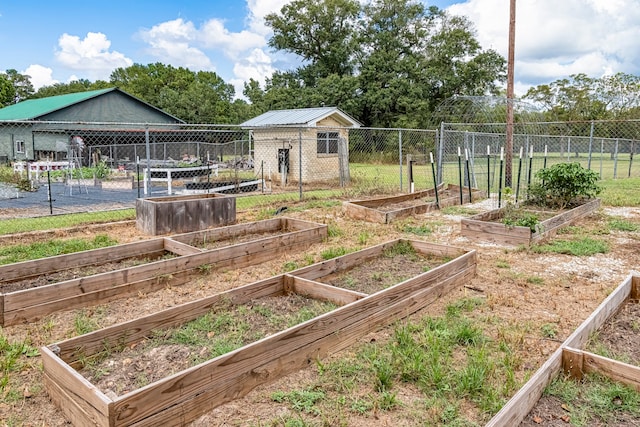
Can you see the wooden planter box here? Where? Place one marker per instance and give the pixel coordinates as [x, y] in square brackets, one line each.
[480, 226]
[31, 304]
[571, 359]
[119, 184]
[186, 395]
[182, 214]
[384, 210]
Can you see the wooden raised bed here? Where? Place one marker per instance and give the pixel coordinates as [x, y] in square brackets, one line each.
[569, 358]
[386, 209]
[31, 304]
[182, 214]
[185, 395]
[481, 227]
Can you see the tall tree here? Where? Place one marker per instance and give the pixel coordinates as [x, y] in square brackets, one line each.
[74, 86]
[7, 91]
[21, 83]
[321, 32]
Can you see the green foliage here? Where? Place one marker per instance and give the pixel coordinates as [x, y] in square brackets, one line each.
[623, 225]
[300, 400]
[563, 183]
[333, 252]
[44, 249]
[10, 355]
[580, 247]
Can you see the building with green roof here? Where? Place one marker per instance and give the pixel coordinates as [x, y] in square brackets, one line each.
[42, 128]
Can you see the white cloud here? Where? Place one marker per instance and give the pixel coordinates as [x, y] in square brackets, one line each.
[215, 35]
[90, 54]
[182, 43]
[556, 38]
[40, 76]
[172, 42]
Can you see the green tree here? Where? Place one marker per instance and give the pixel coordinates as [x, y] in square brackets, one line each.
[74, 86]
[201, 97]
[581, 97]
[321, 32]
[21, 83]
[7, 91]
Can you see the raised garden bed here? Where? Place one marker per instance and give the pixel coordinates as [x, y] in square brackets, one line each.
[183, 396]
[488, 227]
[182, 214]
[387, 209]
[35, 300]
[571, 359]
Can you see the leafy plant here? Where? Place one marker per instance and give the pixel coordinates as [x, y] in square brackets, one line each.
[563, 183]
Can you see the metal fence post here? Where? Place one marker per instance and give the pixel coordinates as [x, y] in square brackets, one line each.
[300, 162]
[147, 177]
[590, 145]
[400, 155]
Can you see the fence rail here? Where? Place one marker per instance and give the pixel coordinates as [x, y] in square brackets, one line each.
[59, 167]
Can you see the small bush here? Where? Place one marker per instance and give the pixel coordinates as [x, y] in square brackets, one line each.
[563, 183]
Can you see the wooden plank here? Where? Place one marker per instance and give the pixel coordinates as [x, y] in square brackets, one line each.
[82, 402]
[222, 256]
[428, 248]
[2, 319]
[572, 362]
[219, 393]
[133, 331]
[342, 263]
[364, 213]
[33, 313]
[517, 408]
[635, 286]
[180, 248]
[235, 374]
[230, 231]
[552, 224]
[26, 269]
[617, 371]
[325, 292]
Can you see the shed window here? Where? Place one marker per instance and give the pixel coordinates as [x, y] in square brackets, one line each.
[19, 146]
[327, 142]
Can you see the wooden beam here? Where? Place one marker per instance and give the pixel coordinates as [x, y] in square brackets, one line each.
[517, 408]
[199, 389]
[617, 371]
[180, 248]
[635, 286]
[321, 291]
[572, 362]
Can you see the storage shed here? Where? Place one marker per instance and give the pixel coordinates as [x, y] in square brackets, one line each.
[38, 128]
[308, 143]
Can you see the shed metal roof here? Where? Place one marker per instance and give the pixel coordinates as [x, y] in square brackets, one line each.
[32, 109]
[301, 117]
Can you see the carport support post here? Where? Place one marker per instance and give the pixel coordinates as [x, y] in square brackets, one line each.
[148, 148]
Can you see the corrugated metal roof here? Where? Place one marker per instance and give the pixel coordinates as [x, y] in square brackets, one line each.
[34, 108]
[300, 116]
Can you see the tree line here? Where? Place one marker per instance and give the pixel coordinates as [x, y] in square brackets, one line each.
[387, 63]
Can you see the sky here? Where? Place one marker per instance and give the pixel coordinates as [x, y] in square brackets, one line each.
[56, 42]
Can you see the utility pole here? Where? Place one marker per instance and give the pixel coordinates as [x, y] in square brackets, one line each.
[510, 71]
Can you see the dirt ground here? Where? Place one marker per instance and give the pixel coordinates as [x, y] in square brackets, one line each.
[566, 291]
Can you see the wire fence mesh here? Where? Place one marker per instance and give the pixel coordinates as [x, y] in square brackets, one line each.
[52, 168]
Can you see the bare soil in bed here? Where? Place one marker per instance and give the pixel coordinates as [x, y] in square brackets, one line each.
[519, 287]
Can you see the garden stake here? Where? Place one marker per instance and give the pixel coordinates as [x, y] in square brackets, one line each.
[529, 172]
[49, 189]
[460, 174]
[488, 171]
[435, 184]
[466, 159]
[138, 174]
[500, 177]
[544, 165]
[519, 173]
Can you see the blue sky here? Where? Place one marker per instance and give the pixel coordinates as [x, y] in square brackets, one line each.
[61, 41]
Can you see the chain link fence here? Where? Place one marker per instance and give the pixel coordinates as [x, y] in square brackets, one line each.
[50, 168]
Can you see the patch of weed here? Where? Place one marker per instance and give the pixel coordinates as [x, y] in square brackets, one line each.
[580, 247]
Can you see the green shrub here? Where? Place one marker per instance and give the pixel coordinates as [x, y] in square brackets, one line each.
[562, 183]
